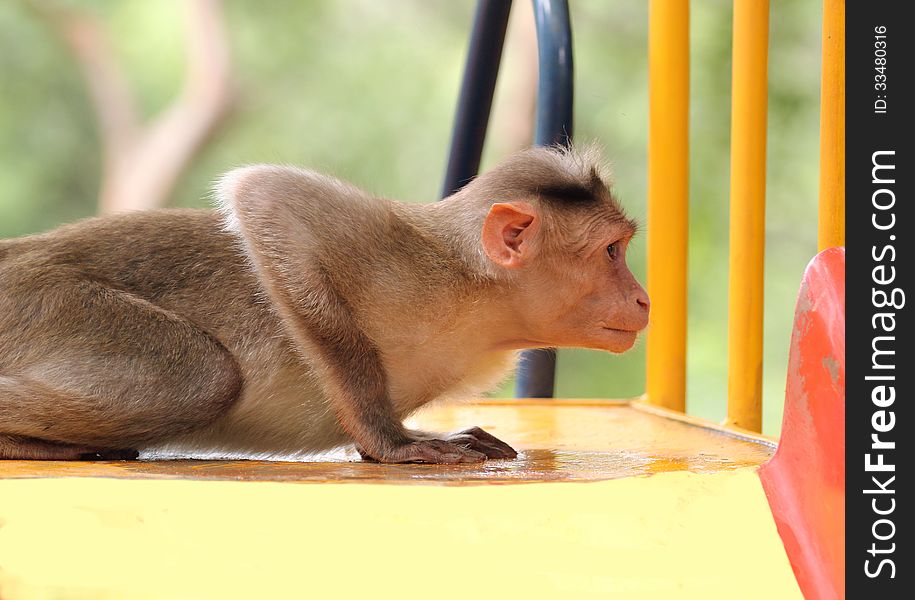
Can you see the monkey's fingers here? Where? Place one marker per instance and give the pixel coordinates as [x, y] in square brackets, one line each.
[481, 441]
[437, 452]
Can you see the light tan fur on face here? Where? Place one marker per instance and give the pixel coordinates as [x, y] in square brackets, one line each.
[304, 314]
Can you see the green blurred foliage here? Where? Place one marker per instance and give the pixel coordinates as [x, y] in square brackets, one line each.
[366, 90]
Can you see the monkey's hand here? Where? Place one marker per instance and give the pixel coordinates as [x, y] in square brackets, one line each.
[469, 446]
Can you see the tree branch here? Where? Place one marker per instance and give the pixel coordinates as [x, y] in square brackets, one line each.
[112, 100]
[143, 163]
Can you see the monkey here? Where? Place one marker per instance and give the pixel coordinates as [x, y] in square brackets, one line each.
[302, 314]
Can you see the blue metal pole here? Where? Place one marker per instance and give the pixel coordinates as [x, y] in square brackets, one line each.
[554, 89]
[537, 372]
[475, 102]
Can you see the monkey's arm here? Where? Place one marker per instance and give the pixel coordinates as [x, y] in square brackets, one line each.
[300, 229]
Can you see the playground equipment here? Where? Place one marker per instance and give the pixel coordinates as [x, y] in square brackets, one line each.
[630, 497]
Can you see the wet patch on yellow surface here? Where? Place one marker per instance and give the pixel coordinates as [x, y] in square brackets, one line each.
[557, 440]
[698, 527]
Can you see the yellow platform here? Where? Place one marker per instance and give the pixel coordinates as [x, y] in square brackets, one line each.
[621, 500]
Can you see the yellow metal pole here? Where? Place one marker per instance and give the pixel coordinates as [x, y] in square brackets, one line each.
[831, 230]
[748, 213]
[668, 200]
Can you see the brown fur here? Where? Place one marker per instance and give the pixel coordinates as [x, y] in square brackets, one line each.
[308, 315]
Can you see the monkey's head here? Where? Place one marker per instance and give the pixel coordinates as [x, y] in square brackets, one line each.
[558, 237]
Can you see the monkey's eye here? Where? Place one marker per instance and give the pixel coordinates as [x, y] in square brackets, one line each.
[613, 250]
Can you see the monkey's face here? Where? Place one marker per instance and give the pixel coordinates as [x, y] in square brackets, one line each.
[571, 285]
[588, 297]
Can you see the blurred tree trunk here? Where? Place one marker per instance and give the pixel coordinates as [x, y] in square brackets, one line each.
[143, 161]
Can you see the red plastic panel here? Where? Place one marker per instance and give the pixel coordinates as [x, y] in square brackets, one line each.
[805, 480]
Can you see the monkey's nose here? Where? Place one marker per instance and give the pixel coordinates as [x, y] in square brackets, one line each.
[641, 298]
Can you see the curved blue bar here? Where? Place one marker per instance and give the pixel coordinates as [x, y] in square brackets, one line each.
[480, 72]
[554, 91]
[554, 122]
[537, 373]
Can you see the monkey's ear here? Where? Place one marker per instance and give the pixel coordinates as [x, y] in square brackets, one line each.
[507, 233]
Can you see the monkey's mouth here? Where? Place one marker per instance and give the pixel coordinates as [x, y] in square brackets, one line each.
[617, 330]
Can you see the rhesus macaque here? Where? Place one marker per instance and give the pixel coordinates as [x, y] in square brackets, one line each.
[306, 314]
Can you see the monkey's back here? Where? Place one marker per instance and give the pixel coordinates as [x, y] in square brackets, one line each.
[186, 262]
[179, 259]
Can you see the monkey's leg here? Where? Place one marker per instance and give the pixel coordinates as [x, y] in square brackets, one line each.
[21, 447]
[114, 373]
[358, 383]
[15, 447]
